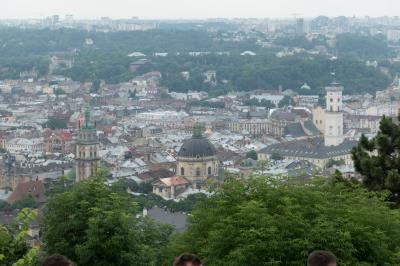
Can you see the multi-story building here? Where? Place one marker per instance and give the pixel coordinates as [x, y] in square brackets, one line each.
[86, 158]
[24, 145]
[319, 150]
[334, 115]
[57, 141]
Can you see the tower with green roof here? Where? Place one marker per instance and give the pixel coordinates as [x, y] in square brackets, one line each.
[86, 158]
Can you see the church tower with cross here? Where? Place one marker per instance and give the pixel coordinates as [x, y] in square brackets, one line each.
[197, 158]
[86, 158]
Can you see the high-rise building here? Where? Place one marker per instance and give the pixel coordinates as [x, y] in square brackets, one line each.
[300, 26]
[334, 115]
[55, 19]
[87, 158]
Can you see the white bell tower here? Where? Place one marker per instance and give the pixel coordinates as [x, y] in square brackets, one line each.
[334, 115]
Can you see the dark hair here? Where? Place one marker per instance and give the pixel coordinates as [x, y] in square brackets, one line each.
[185, 258]
[321, 258]
[57, 260]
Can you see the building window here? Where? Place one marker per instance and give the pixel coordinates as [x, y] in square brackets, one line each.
[209, 170]
[197, 171]
[182, 171]
[331, 99]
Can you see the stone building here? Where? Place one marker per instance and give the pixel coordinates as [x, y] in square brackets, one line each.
[197, 160]
[334, 115]
[86, 158]
[319, 150]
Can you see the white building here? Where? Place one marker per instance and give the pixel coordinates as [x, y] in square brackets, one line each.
[393, 35]
[275, 99]
[23, 145]
[334, 115]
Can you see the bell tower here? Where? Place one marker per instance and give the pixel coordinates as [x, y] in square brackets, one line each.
[86, 158]
[334, 115]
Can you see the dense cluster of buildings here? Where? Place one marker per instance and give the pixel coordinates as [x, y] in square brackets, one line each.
[179, 148]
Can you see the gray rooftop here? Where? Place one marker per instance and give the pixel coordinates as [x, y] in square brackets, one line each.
[177, 219]
[310, 148]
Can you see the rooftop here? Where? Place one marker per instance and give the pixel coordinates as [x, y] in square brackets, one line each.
[310, 148]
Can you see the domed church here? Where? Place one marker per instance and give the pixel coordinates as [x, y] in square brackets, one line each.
[197, 160]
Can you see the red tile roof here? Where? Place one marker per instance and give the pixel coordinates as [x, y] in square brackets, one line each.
[174, 181]
[34, 188]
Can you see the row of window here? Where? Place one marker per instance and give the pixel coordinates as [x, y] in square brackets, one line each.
[198, 171]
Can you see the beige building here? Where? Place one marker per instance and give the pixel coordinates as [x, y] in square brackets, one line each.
[197, 163]
[318, 115]
[197, 160]
[259, 127]
[319, 150]
[312, 150]
[170, 187]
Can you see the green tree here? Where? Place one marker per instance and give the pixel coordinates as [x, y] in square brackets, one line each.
[14, 250]
[268, 221]
[95, 86]
[262, 165]
[132, 94]
[284, 102]
[55, 123]
[59, 91]
[92, 225]
[378, 159]
[276, 156]
[252, 154]
[333, 162]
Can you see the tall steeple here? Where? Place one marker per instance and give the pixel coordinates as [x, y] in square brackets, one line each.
[86, 158]
[334, 115]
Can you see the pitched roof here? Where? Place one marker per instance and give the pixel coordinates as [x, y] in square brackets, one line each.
[174, 181]
[310, 148]
[294, 130]
[34, 188]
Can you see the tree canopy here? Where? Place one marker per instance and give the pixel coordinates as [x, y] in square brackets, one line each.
[14, 250]
[378, 159]
[92, 225]
[265, 221]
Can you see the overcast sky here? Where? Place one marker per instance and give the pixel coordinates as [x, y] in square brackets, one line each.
[176, 9]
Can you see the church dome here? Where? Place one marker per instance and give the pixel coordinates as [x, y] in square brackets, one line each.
[197, 146]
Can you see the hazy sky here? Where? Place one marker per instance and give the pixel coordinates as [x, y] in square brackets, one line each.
[196, 8]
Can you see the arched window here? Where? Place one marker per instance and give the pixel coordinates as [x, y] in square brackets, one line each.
[197, 171]
[182, 171]
[209, 170]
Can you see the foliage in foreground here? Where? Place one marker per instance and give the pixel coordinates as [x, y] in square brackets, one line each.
[378, 159]
[13, 247]
[264, 221]
[92, 225]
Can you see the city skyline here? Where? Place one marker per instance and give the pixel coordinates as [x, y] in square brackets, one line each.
[193, 9]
